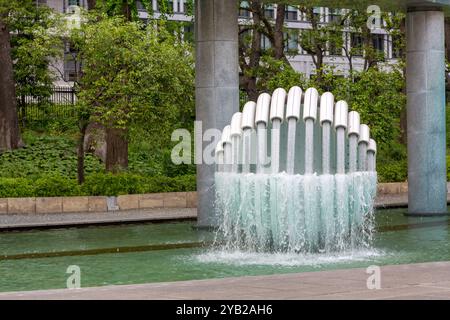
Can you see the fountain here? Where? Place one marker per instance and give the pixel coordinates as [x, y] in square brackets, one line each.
[287, 182]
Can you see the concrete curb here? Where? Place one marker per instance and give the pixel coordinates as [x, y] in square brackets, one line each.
[46, 205]
[126, 202]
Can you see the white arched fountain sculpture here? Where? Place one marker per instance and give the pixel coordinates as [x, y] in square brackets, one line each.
[296, 172]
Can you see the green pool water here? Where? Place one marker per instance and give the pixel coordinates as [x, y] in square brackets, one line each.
[128, 254]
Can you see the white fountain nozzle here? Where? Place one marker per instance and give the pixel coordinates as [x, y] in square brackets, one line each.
[248, 116]
[294, 102]
[262, 109]
[326, 107]
[341, 114]
[236, 121]
[278, 104]
[226, 135]
[354, 121]
[372, 146]
[364, 133]
[310, 105]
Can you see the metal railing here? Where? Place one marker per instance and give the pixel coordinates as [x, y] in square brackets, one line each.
[59, 105]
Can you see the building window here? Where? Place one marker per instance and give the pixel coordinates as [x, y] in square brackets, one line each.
[269, 11]
[291, 41]
[244, 11]
[140, 6]
[71, 65]
[334, 49]
[291, 13]
[316, 13]
[188, 32]
[378, 42]
[397, 47]
[334, 15]
[265, 43]
[356, 44]
[170, 7]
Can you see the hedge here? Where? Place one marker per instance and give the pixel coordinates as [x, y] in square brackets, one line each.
[104, 184]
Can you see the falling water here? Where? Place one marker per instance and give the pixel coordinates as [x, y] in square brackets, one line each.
[275, 146]
[261, 132]
[246, 150]
[326, 131]
[290, 161]
[235, 142]
[340, 150]
[281, 212]
[352, 152]
[309, 146]
[362, 161]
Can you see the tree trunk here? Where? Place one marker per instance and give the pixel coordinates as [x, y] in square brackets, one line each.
[278, 36]
[80, 155]
[126, 11]
[91, 4]
[319, 64]
[116, 149]
[116, 139]
[9, 122]
[447, 38]
[252, 61]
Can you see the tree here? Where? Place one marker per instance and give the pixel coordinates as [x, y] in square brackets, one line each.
[133, 76]
[9, 124]
[396, 26]
[252, 57]
[320, 38]
[36, 42]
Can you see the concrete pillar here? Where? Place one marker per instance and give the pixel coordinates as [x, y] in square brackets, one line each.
[216, 84]
[425, 72]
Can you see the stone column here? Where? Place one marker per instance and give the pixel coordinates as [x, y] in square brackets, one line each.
[216, 84]
[425, 76]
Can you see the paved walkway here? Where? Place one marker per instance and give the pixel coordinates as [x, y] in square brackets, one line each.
[19, 221]
[411, 281]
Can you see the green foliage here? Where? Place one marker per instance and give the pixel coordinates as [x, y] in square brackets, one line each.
[105, 184]
[110, 184]
[15, 188]
[393, 171]
[378, 97]
[47, 167]
[45, 155]
[448, 168]
[447, 115]
[276, 74]
[135, 76]
[35, 42]
[55, 185]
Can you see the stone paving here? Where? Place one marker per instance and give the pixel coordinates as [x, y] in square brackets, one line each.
[411, 281]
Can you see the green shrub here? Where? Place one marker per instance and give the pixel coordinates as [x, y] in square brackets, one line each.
[99, 184]
[108, 184]
[43, 156]
[56, 186]
[16, 188]
[393, 171]
[448, 168]
[187, 182]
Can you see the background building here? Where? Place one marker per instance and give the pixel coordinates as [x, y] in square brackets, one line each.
[295, 22]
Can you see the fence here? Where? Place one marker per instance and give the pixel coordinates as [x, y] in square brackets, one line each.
[58, 105]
